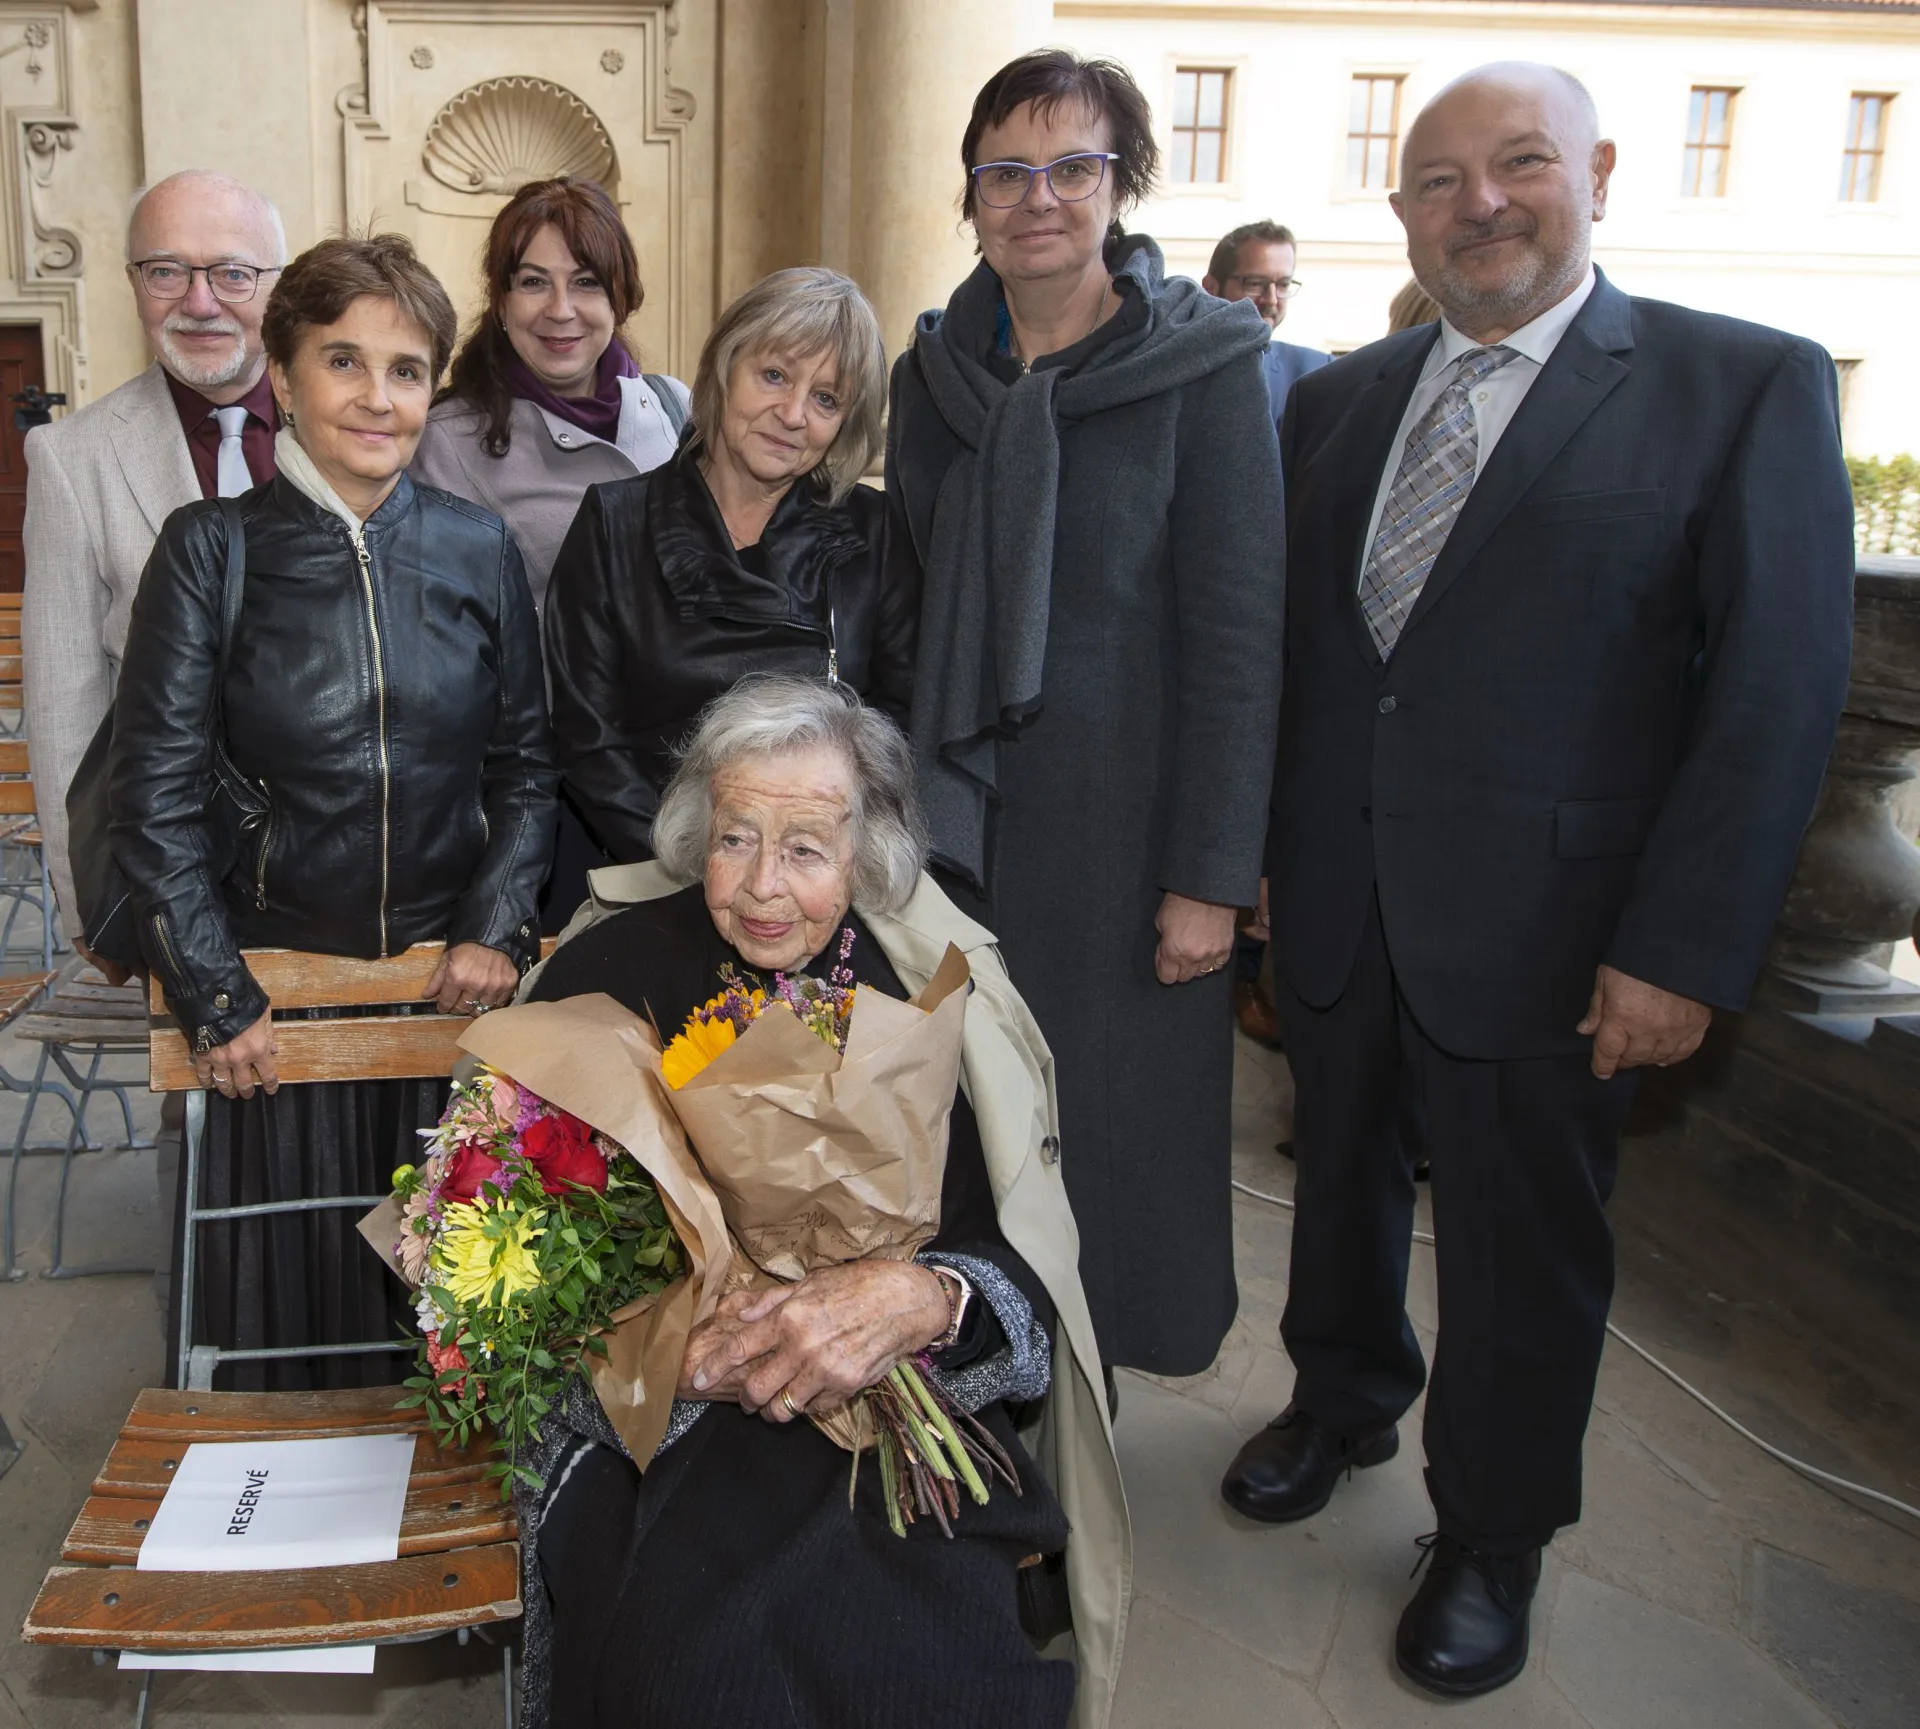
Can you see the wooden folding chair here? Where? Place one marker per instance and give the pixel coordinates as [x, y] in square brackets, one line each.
[459, 1564]
[12, 706]
[20, 828]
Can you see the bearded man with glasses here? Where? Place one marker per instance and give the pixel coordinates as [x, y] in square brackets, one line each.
[202, 255]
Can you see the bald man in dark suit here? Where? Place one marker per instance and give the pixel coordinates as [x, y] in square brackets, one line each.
[1569, 604]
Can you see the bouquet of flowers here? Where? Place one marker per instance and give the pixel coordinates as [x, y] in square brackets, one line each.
[525, 1231]
[821, 1118]
[558, 1224]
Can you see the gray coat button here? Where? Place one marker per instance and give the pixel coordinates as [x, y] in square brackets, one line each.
[1388, 704]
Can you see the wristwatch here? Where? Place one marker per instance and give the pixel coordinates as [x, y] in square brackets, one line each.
[959, 1295]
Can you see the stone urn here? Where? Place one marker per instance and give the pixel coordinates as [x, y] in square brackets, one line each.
[1856, 886]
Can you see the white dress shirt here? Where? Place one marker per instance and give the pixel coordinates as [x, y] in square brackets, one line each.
[1497, 397]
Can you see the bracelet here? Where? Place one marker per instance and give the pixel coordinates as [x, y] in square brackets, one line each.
[959, 1291]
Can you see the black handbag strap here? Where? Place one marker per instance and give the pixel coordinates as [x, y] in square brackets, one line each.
[233, 592]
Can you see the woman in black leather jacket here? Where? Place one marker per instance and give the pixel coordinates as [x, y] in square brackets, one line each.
[386, 744]
[754, 550]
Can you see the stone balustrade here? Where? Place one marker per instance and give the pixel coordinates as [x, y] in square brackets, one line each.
[1856, 887]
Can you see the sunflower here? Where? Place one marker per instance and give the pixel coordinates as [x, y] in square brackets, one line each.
[471, 1264]
[696, 1045]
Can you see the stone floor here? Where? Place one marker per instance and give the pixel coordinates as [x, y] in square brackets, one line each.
[1707, 1587]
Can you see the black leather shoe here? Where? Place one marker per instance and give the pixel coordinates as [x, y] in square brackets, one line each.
[1465, 1631]
[1289, 1469]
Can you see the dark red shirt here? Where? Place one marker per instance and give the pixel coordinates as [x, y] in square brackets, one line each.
[203, 432]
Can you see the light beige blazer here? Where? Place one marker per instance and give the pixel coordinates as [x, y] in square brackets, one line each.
[99, 485]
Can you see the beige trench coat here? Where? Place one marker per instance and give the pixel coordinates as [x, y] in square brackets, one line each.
[1006, 1072]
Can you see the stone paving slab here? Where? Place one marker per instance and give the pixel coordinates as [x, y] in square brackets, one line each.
[1706, 1587]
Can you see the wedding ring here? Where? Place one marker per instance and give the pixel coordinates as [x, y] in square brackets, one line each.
[786, 1398]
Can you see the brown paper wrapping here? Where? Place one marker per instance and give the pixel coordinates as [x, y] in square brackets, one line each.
[819, 1156]
[599, 1061]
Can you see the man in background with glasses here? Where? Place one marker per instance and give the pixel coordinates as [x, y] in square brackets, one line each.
[202, 255]
[1256, 262]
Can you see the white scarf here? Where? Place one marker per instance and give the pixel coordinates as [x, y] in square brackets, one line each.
[303, 474]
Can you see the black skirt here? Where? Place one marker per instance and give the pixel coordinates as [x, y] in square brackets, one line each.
[302, 1278]
[733, 1585]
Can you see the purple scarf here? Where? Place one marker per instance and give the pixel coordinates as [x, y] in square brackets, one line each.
[599, 413]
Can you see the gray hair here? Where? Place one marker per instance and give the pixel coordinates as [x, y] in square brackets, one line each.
[213, 180]
[799, 313]
[767, 715]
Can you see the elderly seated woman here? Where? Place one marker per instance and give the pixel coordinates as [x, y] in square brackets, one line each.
[728, 1580]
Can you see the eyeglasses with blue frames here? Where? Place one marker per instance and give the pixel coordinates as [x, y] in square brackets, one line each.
[1072, 178]
[169, 279]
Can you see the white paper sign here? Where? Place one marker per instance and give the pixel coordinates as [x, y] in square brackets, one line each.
[261, 1506]
[266, 1506]
[310, 1660]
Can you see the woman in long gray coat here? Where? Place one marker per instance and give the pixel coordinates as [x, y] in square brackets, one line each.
[1083, 455]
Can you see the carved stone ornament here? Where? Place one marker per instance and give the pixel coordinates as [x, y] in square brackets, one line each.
[422, 58]
[55, 250]
[497, 136]
[612, 60]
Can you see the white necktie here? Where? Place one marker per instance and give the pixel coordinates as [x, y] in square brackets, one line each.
[230, 475]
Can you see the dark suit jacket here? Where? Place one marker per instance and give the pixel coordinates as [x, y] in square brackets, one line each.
[1602, 731]
[1287, 363]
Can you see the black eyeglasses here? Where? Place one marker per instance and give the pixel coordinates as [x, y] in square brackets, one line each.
[1072, 178]
[169, 279]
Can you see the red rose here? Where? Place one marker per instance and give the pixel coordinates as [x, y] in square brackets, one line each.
[445, 1360]
[468, 1169]
[560, 1149]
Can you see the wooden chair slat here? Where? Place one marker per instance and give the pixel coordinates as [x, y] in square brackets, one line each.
[170, 1413]
[437, 1517]
[13, 756]
[379, 1048]
[10, 665]
[141, 1467]
[19, 991]
[263, 1611]
[16, 798]
[54, 1028]
[294, 979]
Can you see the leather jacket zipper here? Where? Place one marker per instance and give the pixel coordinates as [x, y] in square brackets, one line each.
[386, 767]
[266, 840]
[163, 941]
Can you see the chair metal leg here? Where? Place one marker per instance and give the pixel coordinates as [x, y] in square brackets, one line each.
[191, 1135]
[506, 1679]
[146, 1693]
[58, 1269]
[10, 1449]
[8, 1270]
[46, 913]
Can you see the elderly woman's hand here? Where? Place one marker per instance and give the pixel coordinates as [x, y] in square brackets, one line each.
[471, 977]
[815, 1344]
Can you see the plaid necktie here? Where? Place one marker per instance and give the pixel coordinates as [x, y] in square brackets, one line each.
[1435, 475]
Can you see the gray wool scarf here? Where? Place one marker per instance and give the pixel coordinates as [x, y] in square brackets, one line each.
[989, 557]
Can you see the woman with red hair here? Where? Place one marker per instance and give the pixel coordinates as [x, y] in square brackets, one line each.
[546, 399]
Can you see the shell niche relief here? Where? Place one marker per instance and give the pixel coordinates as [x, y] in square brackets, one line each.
[497, 136]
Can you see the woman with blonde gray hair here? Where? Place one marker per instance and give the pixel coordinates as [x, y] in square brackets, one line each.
[755, 550]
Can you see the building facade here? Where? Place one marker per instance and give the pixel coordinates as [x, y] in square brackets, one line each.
[1770, 154]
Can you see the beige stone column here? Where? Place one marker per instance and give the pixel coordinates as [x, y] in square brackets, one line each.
[916, 66]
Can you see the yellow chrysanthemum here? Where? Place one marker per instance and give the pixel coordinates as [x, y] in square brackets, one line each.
[693, 1048]
[470, 1265]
